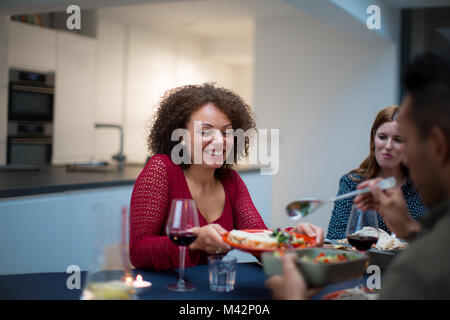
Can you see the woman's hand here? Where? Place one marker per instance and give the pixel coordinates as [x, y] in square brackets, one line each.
[209, 239]
[311, 231]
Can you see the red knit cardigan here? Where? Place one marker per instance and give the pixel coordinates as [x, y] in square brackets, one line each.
[161, 181]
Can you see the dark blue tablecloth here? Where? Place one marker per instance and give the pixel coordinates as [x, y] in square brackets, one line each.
[250, 280]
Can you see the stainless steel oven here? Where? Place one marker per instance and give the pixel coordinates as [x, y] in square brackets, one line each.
[31, 96]
[34, 151]
[30, 117]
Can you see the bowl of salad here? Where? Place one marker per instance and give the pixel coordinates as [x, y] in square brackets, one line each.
[320, 266]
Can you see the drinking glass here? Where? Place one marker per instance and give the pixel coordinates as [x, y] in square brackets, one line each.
[222, 273]
[182, 227]
[362, 229]
[110, 266]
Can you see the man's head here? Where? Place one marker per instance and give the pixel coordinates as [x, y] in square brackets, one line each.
[425, 123]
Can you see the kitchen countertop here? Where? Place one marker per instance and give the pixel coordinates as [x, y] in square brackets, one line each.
[51, 179]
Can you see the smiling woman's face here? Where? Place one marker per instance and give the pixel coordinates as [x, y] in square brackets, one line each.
[208, 126]
[389, 145]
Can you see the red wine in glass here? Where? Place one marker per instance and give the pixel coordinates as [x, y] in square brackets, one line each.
[362, 229]
[182, 238]
[182, 226]
[362, 243]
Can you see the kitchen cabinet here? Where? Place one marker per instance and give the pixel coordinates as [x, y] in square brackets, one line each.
[110, 85]
[73, 58]
[31, 47]
[47, 233]
[74, 98]
[95, 219]
[33, 234]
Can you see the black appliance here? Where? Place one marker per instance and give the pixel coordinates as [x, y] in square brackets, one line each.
[30, 117]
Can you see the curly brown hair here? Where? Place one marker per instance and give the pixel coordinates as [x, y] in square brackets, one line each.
[176, 107]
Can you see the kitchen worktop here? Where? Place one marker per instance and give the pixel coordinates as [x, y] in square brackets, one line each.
[51, 179]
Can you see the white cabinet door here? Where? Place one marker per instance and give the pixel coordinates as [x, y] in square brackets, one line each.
[74, 98]
[34, 234]
[95, 221]
[47, 233]
[110, 85]
[31, 47]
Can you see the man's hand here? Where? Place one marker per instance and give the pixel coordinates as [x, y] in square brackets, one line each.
[391, 205]
[311, 231]
[290, 285]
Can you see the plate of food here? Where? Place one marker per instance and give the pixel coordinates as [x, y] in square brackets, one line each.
[386, 249]
[320, 266]
[357, 293]
[257, 241]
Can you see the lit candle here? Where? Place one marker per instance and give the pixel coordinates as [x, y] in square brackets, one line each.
[141, 285]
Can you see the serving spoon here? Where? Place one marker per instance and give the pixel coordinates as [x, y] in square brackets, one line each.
[305, 206]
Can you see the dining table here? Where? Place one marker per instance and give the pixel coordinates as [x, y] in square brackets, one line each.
[249, 285]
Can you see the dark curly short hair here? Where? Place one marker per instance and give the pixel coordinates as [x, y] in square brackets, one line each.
[427, 81]
[177, 106]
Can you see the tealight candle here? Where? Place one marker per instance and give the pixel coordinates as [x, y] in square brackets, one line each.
[141, 286]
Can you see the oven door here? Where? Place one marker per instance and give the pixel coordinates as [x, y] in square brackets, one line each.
[34, 151]
[30, 103]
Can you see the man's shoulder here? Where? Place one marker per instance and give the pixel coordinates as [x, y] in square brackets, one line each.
[423, 269]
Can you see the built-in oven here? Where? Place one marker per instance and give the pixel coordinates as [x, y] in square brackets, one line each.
[31, 96]
[33, 151]
[30, 117]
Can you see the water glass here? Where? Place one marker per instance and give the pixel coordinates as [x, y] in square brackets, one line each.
[222, 273]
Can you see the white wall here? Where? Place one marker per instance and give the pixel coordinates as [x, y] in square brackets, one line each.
[322, 89]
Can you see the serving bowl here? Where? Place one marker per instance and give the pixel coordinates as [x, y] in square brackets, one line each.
[319, 273]
[382, 258]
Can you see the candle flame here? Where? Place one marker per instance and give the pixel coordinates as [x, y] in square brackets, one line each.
[128, 280]
[139, 278]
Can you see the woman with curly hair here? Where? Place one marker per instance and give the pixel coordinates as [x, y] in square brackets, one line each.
[206, 113]
[387, 153]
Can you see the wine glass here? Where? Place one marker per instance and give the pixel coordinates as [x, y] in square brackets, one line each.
[362, 229]
[182, 227]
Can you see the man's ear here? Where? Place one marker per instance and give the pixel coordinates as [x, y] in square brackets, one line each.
[439, 146]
